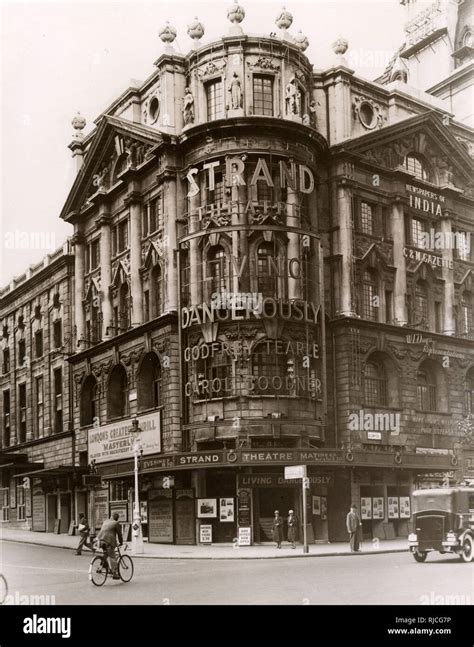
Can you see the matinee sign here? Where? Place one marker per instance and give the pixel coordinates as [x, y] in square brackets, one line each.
[115, 441]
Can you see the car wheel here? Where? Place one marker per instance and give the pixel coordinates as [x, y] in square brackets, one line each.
[420, 555]
[467, 549]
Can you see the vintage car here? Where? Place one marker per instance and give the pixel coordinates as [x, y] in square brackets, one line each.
[443, 521]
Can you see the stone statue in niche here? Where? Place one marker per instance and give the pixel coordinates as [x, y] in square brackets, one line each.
[188, 107]
[293, 98]
[312, 113]
[235, 90]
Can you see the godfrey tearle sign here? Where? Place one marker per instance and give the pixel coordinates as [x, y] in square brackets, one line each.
[115, 441]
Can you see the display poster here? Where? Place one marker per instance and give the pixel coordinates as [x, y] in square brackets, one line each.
[101, 506]
[366, 507]
[27, 502]
[205, 534]
[39, 511]
[226, 510]
[144, 511]
[244, 509]
[121, 510]
[160, 516]
[324, 508]
[378, 511]
[317, 505]
[207, 508]
[392, 507]
[245, 536]
[405, 507]
[184, 516]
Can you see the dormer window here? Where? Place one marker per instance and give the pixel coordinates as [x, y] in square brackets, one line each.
[215, 100]
[417, 167]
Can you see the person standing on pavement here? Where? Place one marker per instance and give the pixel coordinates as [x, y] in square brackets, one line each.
[84, 530]
[292, 528]
[108, 535]
[353, 524]
[277, 528]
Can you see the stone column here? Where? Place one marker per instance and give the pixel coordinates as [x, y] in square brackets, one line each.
[397, 228]
[195, 269]
[170, 210]
[79, 252]
[449, 324]
[344, 211]
[134, 201]
[103, 223]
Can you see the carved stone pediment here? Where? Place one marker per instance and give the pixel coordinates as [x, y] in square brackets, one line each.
[264, 63]
[212, 68]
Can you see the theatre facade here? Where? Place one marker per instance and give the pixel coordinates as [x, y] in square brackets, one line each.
[272, 267]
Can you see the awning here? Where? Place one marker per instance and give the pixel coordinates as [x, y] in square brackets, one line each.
[59, 470]
[21, 466]
[6, 457]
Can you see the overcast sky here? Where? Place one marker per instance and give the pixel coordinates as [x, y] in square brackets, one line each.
[60, 57]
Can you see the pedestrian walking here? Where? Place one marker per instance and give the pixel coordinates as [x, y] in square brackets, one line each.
[353, 524]
[292, 528]
[84, 530]
[277, 527]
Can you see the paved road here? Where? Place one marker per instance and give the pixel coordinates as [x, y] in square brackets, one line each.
[373, 579]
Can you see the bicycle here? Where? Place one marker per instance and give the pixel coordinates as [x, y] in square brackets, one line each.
[99, 569]
[3, 589]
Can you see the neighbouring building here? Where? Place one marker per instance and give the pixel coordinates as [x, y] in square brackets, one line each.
[272, 267]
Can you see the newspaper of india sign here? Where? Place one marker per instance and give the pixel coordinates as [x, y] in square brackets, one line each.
[115, 441]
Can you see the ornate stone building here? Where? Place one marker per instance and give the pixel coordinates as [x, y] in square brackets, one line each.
[272, 268]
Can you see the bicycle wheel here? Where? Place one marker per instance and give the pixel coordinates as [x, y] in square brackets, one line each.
[3, 589]
[125, 568]
[98, 571]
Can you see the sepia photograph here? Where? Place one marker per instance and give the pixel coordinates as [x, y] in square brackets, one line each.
[237, 316]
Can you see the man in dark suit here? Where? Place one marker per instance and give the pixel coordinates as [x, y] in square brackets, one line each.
[353, 525]
[108, 535]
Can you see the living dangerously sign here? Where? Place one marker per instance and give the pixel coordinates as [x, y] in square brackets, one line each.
[115, 441]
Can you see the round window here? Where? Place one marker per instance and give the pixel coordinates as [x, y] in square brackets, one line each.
[154, 109]
[367, 115]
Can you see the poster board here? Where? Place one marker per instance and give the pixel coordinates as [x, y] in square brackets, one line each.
[365, 507]
[39, 511]
[101, 506]
[392, 507]
[244, 507]
[378, 507]
[317, 506]
[206, 508]
[160, 516]
[245, 536]
[226, 510]
[405, 507]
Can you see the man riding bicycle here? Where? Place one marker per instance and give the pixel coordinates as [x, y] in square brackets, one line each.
[108, 535]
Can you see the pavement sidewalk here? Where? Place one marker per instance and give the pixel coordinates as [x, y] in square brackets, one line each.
[214, 551]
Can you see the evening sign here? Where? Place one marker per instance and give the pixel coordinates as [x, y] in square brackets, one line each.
[115, 441]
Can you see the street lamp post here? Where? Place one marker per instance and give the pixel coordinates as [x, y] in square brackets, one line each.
[137, 537]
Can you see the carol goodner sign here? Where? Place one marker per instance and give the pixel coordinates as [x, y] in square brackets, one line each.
[115, 441]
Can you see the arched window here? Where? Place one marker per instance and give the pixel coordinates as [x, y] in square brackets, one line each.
[149, 383]
[89, 401]
[267, 280]
[375, 384]
[217, 270]
[469, 392]
[467, 324]
[117, 393]
[156, 291]
[417, 167]
[124, 308]
[369, 295]
[427, 392]
[422, 317]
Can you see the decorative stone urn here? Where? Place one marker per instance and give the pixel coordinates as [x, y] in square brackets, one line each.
[302, 41]
[195, 31]
[236, 14]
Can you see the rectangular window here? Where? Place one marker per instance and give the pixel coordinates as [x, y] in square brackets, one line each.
[366, 218]
[146, 305]
[114, 240]
[122, 242]
[462, 242]
[388, 306]
[39, 343]
[466, 316]
[58, 400]
[6, 361]
[215, 100]
[6, 419]
[262, 95]
[57, 333]
[39, 408]
[4, 502]
[94, 254]
[417, 233]
[22, 413]
[21, 352]
[438, 316]
[20, 502]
